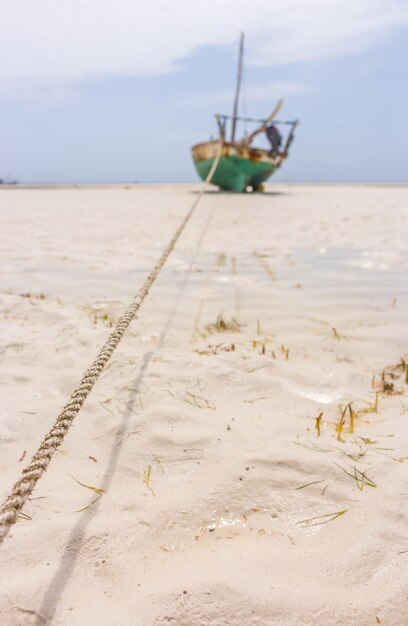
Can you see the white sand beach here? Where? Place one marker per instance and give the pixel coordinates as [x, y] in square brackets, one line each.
[217, 501]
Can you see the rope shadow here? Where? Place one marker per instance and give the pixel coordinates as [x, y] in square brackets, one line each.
[251, 194]
[72, 550]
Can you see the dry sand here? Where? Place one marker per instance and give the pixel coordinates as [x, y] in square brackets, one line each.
[201, 436]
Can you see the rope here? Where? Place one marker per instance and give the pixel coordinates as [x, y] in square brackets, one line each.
[23, 488]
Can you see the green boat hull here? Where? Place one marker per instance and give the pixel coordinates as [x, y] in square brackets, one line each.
[238, 169]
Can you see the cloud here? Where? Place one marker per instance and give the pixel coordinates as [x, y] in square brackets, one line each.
[70, 40]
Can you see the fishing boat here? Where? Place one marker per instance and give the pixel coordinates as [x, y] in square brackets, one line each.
[8, 181]
[243, 167]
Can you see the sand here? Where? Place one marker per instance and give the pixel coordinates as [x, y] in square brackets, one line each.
[202, 434]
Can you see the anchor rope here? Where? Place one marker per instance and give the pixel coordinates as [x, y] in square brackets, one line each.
[30, 475]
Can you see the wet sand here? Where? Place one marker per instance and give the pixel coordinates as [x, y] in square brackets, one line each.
[221, 504]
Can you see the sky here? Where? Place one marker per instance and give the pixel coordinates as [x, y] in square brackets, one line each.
[119, 90]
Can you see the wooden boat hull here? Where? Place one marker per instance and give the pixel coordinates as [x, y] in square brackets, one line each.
[239, 167]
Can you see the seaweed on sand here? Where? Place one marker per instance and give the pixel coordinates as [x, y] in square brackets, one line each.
[329, 517]
[97, 490]
[147, 473]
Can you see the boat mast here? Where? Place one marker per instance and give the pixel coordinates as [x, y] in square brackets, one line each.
[239, 76]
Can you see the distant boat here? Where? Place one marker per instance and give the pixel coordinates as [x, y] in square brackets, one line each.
[242, 167]
[8, 181]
